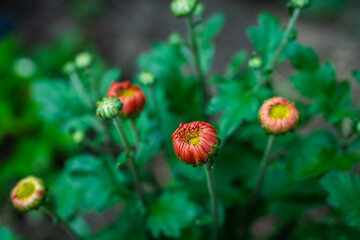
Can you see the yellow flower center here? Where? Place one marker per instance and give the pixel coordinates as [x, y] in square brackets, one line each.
[126, 92]
[194, 141]
[25, 190]
[279, 111]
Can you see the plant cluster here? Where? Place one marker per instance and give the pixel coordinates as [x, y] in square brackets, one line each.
[247, 152]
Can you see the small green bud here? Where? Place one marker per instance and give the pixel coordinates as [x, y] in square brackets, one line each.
[69, 68]
[255, 62]
[78, 136]
[146, 78]
[358, 127]
[24, 67]
[109, 107]
[175, 39]
[182, 8]
[300, 3]
[83, 60]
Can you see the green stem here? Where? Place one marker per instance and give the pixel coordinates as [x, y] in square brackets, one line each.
[284, 39]
[195, 50]
[57, 220]
[264, 163]
[122, 135]
[210, 184]
[134, 131]
[130, 161]
[80, 89]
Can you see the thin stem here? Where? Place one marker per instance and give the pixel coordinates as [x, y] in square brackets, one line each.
[122, 135]
[57, 220]
[195, 50]
[134, 131]
[284, 39]
[264, 163]
[210, 184]
[132, 166]
[130, 161]
[80, 89]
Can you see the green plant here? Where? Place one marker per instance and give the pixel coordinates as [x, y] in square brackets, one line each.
[299, 171]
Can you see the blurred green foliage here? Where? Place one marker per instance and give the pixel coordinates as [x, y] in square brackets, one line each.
[45, 121]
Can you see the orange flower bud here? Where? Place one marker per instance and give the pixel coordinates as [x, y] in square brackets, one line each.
[195, 143]
[130, 95]
[278, 116]
[28, 194]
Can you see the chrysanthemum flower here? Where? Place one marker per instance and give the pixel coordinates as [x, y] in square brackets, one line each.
[130, 95]
[28, 194]
[195, 143]
[278, 116]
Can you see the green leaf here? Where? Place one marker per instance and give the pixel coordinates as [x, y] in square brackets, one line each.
[6, 234]
[266, 37]
[101, 184]
[150, 144]
[54, 97]
[344, 195]
[302, 58]
[236, 62]
[316, 154]
[80, 226]
[212, 26]
[237, 102]
[121, 159]
[171, 213]
[165, 61]
[356, 75]
[67, 198]
[83, 122]
[206, 35]
[330, 97]
[107, 78]
[338, 106]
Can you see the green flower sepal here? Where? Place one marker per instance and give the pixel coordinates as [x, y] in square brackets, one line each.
[298, 4]
[109, 108]
[183, 8]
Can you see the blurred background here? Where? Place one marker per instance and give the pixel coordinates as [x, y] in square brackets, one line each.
[37, 37]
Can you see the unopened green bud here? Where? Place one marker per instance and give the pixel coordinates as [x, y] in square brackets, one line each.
[83, 60]
[69, 68]
[24, 67]
[175, 39]
[358, 127]
[255, 63]
[300, 3]
[109, 107]
[146, 78]
[78, 136]
[182, 8]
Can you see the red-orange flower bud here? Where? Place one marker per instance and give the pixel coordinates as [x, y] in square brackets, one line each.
[195, 143]
[277, 115]
[130, 95]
